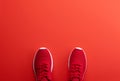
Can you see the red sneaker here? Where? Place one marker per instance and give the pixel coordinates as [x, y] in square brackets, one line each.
[77, 64]
[43, 64]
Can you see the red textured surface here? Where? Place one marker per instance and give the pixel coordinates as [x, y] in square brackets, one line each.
[26, 25]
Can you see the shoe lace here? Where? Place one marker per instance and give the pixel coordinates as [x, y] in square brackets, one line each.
[42, 72]
[75, 72]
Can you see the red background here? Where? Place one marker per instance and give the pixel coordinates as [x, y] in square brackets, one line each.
[60, 25]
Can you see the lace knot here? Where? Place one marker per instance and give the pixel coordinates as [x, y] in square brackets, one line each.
[43, 72]
[75, 71]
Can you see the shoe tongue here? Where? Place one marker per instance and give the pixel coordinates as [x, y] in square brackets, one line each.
[44, 79]
[75, 79]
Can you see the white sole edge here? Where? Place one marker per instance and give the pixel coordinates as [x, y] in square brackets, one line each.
[85, 59]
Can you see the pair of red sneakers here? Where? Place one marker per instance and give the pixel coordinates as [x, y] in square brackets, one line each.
[43, 64]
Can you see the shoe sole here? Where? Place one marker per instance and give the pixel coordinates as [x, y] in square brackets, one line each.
[50, 58]
[85, 59]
